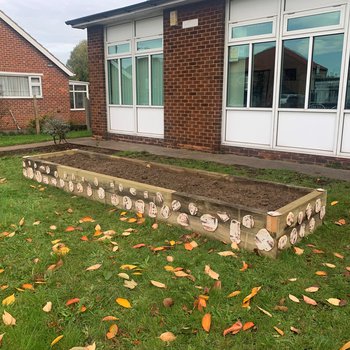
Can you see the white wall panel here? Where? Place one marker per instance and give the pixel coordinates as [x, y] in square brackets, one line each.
[149, 27]
[119, 33]
[241, 10]
[122, 119]
[150, 120]
[251, 127]
[309, 131]
[346, 135]
[300, 5]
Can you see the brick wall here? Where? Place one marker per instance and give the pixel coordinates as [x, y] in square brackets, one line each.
[193, 76]
[97, 87]
[18, 55]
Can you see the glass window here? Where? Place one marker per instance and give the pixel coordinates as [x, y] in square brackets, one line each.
[325, 72]
[294, 72]
[113, 82]
[149, 44]
[71, 95]
[126, 81]
[118, 49]
[238, 67]
[252, 30]
[36, 91]
[314, 21]
[78, 95]
[157, 80]
[80, 100]
[14, 86]
[263, 73]
[142, 80]
[347, 101]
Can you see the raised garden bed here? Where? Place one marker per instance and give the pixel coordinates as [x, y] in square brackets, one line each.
[257, 215]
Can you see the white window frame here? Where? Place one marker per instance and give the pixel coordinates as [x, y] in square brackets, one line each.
[29, 76]
[72, 85]
[140, 52]
[114, 55]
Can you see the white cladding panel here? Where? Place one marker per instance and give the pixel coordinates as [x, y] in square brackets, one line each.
[121, 119]
[250, 127]
[242, 10]
[300, 5]
[149, 27]
[305, 130]
[150, 121]
[120, 32]
[346, 135]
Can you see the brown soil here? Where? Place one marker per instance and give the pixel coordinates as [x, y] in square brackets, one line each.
[240, 191]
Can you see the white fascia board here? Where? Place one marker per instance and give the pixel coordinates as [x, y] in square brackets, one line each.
[33, 42]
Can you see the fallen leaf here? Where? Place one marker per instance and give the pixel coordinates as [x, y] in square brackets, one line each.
[140, 245]
[72, 301]
[123, 302]
[21, 222]
[112, 332]
[247, 299]
[233, 294]
[53, 227]
[131, 220]
[217, 285]
[9, 300]
[1, 336]
[234, 246]
[348, 268]
[234, 329]
[334, 203]
[168, 302]
[84, 238]
[169, 258]
[86, 219]
[181, 274]
[214, 275]
[312, 289]
[56, 340]
[298, 251]
[334, 301]
[309, 300]
[48, 306]
[206, 322]
[93, 267]
[317, 251]
[70, 229]
[188, 246]
[244, 267]
[154, 226]
[264, 311]
[8, 319]
[128, 267]
[2, 270]
[123, 275]
[281, 308]
[248, 325]
[130, 284]
[346, 346]
[293, 298]
[279, 331]
[27, 286]
[158, 284]
[339, 256]
[36, 223]
[331, 266]
[167, 337]
[295, 330]
[110, 318]
[227, 253]
[340, 222]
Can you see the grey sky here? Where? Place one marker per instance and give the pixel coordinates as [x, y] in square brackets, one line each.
[45, 20]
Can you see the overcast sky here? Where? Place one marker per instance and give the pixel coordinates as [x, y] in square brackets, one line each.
[45, 20]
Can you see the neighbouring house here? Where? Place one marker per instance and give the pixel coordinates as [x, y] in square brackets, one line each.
[250, 77]
[27, 69]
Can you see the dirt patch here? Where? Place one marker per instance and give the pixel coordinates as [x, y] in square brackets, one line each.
[240, 191]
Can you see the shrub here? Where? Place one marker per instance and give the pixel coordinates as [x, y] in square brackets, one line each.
[42, 120]
[56, 128]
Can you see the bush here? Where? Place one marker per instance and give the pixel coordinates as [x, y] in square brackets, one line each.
[42, 121]
[56, 128]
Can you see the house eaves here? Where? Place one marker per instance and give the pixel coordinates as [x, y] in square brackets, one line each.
[126, 13]
[34, 43]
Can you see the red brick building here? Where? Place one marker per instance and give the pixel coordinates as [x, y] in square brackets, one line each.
[27, 69]
[260, 78]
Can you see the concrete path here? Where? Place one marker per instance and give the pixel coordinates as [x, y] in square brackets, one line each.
[229, 159]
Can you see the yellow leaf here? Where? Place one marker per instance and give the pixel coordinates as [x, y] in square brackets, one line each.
[233, 294]
[264, 311]
[167, 337]
[158, 284]
[110, 318]
[9, 300]
[93, 267]
[8, 319]
[2, 270]
[206, 322]
[312, 289]
[56, 241]
[123, 213]
[123, 302]
[86, 219]
[27, 286]
[334, 301]
[128, 267]
[131, 220]
[331, 266]
[172, 243]
[130, 284]
[346, 346]
[168, 268]
[112, 332]
[321, 273]
[21, 222]
[124, 276]
[279, 331]
[334, 203]
[293, 298]
[214, 275]
[48, 306]
[298, 251]
[181, 274]
[254, 292]
[36, 223]
[56, 340]
[227, 253]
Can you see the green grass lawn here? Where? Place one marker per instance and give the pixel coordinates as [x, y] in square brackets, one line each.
[26, 255]
[10, 140]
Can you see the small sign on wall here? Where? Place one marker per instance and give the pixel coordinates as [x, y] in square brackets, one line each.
[173, 18]
[190, 23]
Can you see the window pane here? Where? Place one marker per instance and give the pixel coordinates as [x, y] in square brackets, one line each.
[157, 80]
[80, 99]
[113, 82]
[118, 49]
[142, 81]
[13, 86]
[263, 74]
[314, 21]
[252, 30]
[326, 64]
[71, 94]
[294, 71]
[35, 80]
[149, 44]
[238, 76]
[126, 78]
[36, 91]
[80, 87]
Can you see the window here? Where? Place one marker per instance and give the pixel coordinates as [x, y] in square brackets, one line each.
[118, 49]
[151, 44]
[20, 86]
[78, 94]
[248, 30]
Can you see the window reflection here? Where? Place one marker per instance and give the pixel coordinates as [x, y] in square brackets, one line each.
[294, 71]
[314, 21]
[326, 64]
[252, 30]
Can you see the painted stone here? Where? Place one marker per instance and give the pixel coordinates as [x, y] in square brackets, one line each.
[47, 169]
[54, 181]
[248, 221]
[300, 217]
[73, 177]
[55, 174]
[101, 193]
[318, 205]
[111, 184]
[159, 198]
[24, 163]
[71, 186]
[89, 190]
[80, 188]
[140, 206]
[235, 231]
[65, 176]
[120, 187]
[176, 205]
[282, 242]
[152, 210]
[132, 191]
[45, 180]
[165, 212]
[223, 216]
[30, 173]
[183, 220]
[42, 168]
[192, 208]
[312, 225]
[308, 211]
[25, 172]
[95, 181]
[293, 236]
[302, 230]
[145, 194]
[114, 199]
[38, 176]
[62, 183]
[264, 241]
[127, 203]
[35, 165]
[209, 222]
[322, 212]
[290, 219]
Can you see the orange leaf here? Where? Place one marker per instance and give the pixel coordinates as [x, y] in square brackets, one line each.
[309, 300]
[245, 266]
[72, 301]
[337, 255]
[140, 245]
[112, 332]
[340, 222]
[87, 219]
[298, 251]
[214, 275]
[132, 220]
[317, 251]
[84, 238]
[234, 329]
[27, 286]
[70, 229]
[188, 246]
[334, 203]
[110, 318]
[233, 294]
[123, 302]
[253, 293]
[206, 322]
[248, 325]
[158, 284]
[346, 346]
[321, 273]
[279, 331]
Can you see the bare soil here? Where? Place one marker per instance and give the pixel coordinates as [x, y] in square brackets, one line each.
[239, 191]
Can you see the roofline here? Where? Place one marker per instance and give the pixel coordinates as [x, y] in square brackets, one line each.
[120, 13]
[33, 42]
